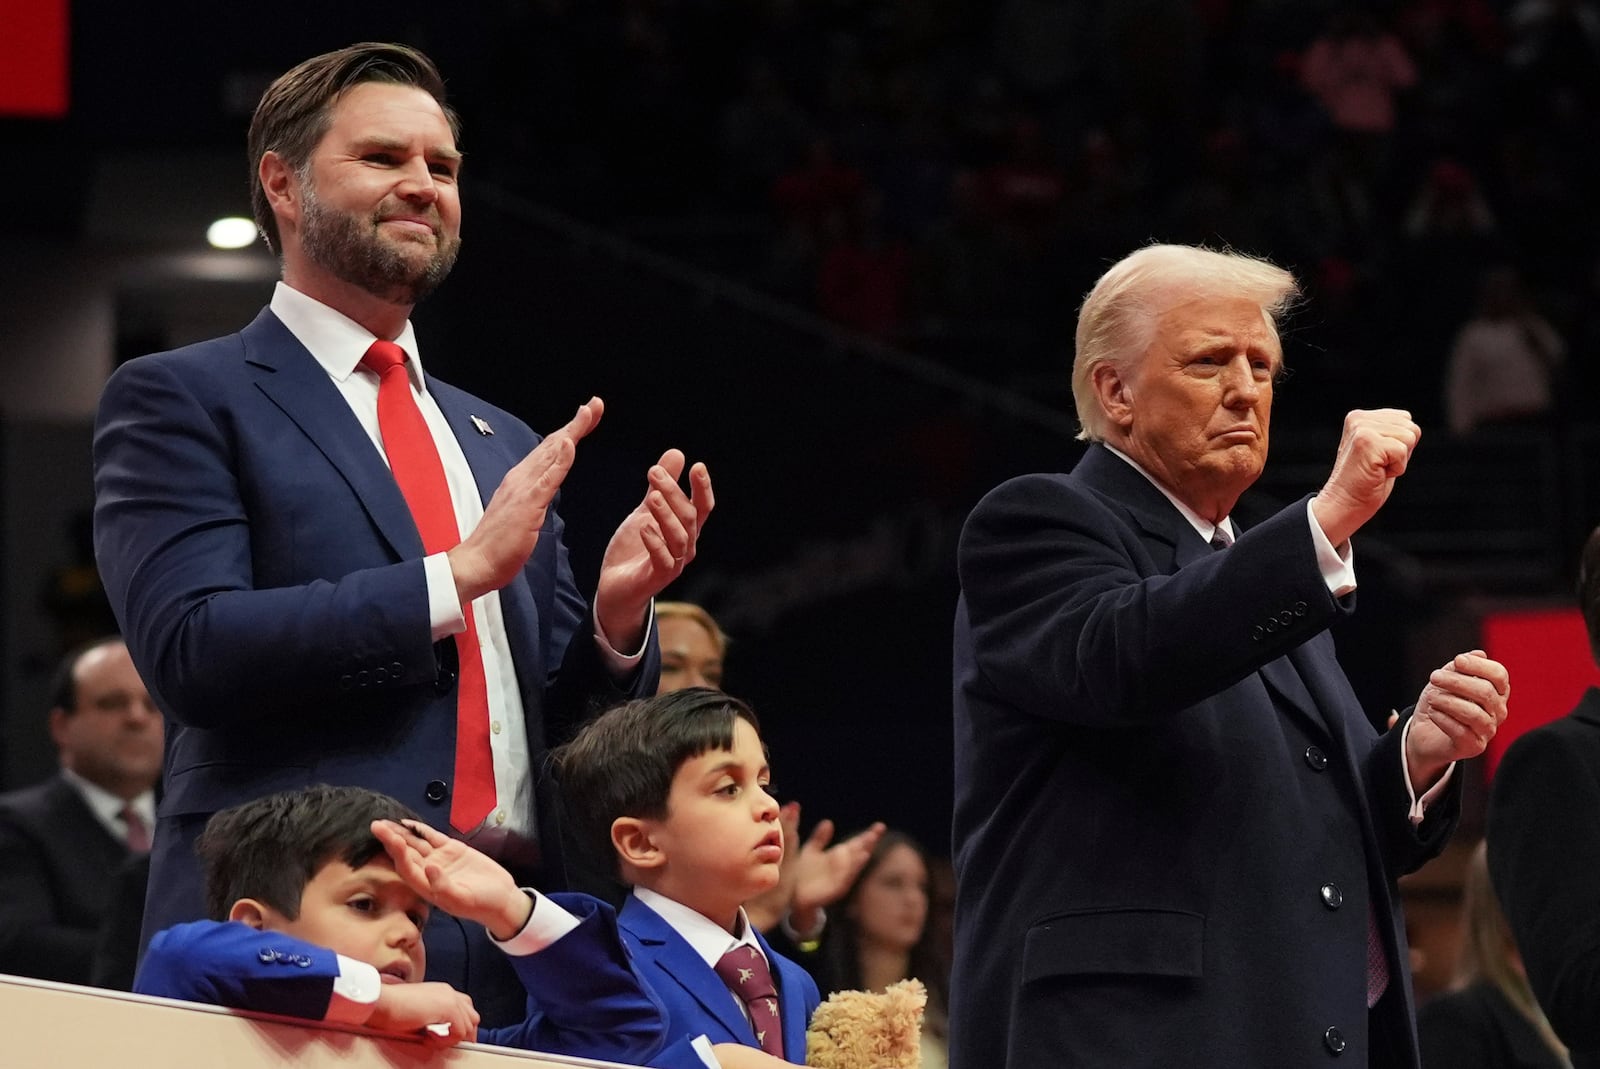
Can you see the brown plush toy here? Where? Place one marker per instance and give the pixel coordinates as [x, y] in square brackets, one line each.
[867, 1030]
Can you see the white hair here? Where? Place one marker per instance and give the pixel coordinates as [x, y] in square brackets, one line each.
[1118, 319]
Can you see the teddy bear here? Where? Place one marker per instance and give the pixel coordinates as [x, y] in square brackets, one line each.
[867, 1029]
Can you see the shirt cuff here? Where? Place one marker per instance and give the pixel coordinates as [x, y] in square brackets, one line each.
[621, 664]
[1419, 806]
[355, 992]
[804, 940]
[444, 606]
[702, 1047]
[547, 923]
[1338, 567]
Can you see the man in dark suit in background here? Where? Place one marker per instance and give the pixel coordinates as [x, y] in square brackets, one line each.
[63, 841]
[311, 600]
[1176, 833]
[1543, 840]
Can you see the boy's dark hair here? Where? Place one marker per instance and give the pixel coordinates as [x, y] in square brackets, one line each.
[270, 848]
[296, 110]
[622, 763]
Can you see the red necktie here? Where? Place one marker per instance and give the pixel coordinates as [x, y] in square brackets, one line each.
[138, 837]
[414, 459]
[745, 972]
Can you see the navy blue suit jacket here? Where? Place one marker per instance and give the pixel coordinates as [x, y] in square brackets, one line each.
[269, 582]
[696, 1000]
[583, 997]
[1171, 812]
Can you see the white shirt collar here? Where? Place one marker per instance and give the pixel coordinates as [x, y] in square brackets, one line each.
[1205, 528]
[336, 341]
[708, 938]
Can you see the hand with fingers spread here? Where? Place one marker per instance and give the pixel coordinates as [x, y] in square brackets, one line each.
[1459, 711]
[651, 548]
[455, 877]
[407, 1009]
[826, 873]
[498, 547]
[1373, 452]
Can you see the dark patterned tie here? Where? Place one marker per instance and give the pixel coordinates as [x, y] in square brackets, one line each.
[745, 972]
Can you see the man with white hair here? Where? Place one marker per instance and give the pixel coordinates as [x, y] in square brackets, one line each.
[1177, 833]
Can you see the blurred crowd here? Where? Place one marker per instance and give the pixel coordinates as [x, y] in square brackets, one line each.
[949, 175]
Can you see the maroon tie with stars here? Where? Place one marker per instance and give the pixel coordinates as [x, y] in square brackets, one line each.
[745, 972]
[414, 459]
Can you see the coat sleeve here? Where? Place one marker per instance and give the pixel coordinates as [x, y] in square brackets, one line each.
[224, 963]
[173, 540]
[585, 998]
[1073, 618]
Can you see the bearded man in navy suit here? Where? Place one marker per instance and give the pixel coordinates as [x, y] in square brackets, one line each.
[267, 571]
[1177, 834]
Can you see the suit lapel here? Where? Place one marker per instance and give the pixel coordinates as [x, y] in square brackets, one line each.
[671, 955]
[298, 385]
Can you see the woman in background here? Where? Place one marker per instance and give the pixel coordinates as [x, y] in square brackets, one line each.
[879, 934]
[1488, 1019]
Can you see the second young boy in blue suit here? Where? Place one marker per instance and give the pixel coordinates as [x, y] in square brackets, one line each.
[673, 791]
[319, 898]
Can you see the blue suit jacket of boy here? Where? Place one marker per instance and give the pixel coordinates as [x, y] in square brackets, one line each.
[584, 997]
[696, 1000]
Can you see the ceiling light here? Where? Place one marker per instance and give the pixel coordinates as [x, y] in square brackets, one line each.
[232, 232]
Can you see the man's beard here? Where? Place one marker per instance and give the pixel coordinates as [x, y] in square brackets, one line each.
[351, 247]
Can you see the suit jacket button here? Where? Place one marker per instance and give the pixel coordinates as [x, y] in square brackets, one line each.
[1316, 758]
[1332, 897]
[436, 791]
[1333, 1039]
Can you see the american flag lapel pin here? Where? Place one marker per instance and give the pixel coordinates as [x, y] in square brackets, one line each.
[481, 425]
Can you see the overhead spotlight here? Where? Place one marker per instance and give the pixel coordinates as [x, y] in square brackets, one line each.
[232, 232]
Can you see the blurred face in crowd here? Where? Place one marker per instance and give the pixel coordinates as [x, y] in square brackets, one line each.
[112, 735]
[890, 907]
[690, 655]
[377, 206]
[1196, 407]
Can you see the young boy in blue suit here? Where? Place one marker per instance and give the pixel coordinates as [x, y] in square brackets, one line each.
[319, 897]
[672, 792]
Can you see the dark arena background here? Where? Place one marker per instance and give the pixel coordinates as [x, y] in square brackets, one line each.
[835, 248]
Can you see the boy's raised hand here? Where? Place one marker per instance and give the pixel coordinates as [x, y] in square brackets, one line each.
[406, 1009]
[455, 877]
